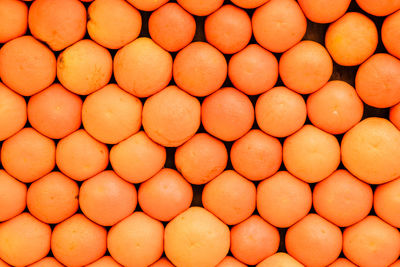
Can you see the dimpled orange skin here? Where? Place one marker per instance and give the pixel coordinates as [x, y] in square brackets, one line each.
[342, 199]
[394, 115]
[386, 202]
[379, 8]
[342, 262]
[25, 51]
[24, 240]
[378, 82]
[200, 69]
[335, 108]
[111, 115]
[137, 158]
[142, 67]
[147, 5]
[55, 112]
[253, 240]
[228, 29]
[165, 195]
[136, 241]
[13, 112]
[229, 261]
[282, 199]
[58, 23]
[172, 27]
[311, 154]
[249, 4]
[106, 199]
[254, 70]
[171, 117]
[163, 262]
[12, 196]
[306, 67]
[80, 156]
[227, 114]
[390, 33]
[47, 262]
[28, 155]
[84, 67]
[314, 241]
[371, 151]
[230, 197]
[280, 112]
[201, 158]
[278, 25]
[256, 155]
[13, 19]
[371, 242]
[280, 259]
[201, 8]
[196, 238]
[53, 198]
[324, 11]
[113, 23]
[348, 47]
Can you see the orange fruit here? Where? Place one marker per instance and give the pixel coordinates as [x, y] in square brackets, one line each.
[280, 259]
[13, 19]
[324, 11]
[12, 196]
[249, 4]
[200, 8]
[342, 262]
[47, 262]
[105, 261]
[229, 261]
[146, 5]
[163, 262]
[390, 33]
[380, 8]
[394, 115]
[196, 238]
[386, 202]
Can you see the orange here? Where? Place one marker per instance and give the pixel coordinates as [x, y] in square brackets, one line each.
[377, 81]
[24, 240]
[136, 241]
[84, 67]
[106, 199]
[80, 156]
[12, 196]
[390, 33]
[3, 264]
[28, 155]
[53, 198]
[25, 51]
[280, 112]
[342, 199]
[350, 47]
[371, 151]
[55, 111]
[171, 117]
[47, 262]
[228, 29]
[394, 115]
[142, 67]
[371, 242]
[111, 115]
[227, 114]
[13, 112]
[105, 261]
[314, 241]
[229, 261]
[386, 202]
[280, 259]
[230, 197]
[201, 158]
[113, 23]
[306, 67]
[282, 199]
[249, 3]
[200, 8]
[199, 69]
[342, 262]
[196, 238]
[165, 195]
[311, 154]
[379, 8]
[335, 108]
[58, 23]
[146, 5]
[324, 11]
[254, 70]
[137, 158]
[256, 155]
[163, 262]
[13, 19]
[171, 27]
[253, 240]
[396, 264]
[78, 241]
[278, 25]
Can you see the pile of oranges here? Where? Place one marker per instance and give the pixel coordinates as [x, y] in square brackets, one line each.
[200, 133]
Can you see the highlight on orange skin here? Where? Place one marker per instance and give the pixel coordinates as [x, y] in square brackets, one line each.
[324, 11]
[390, 33]
[13, 19]
[12, 196]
